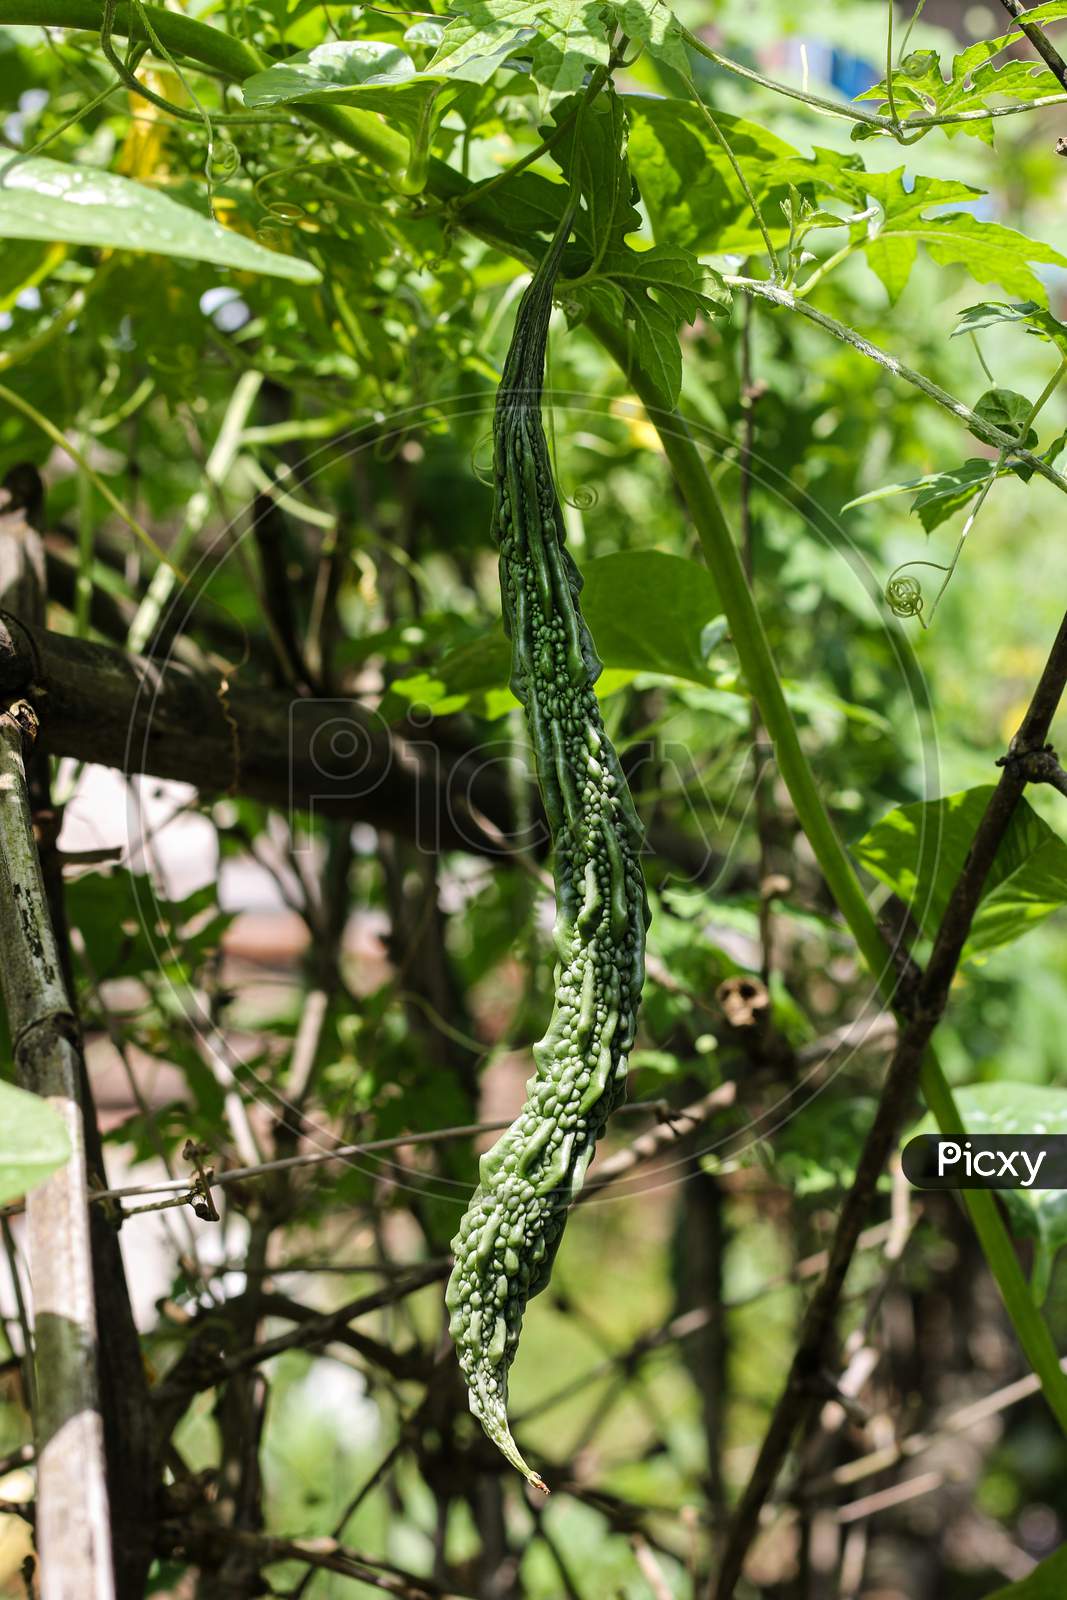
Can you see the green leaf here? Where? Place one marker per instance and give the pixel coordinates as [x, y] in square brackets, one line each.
[1034, 318]
[654, 25]
[990, 252]
[647, 612]
[130, 929]
[650, 292]
[33, 1142]
[564, 38]
[595, 162]
[369, 75]
[480, 37]
[1048, 1581]
[573, 38]
[428, 34]
[940, 494]
[653, 292]
[1014, 1108]
[44, 199]
[472, 677]
[920, 89]
[691, 192]
[1009, 412]
[526, 204]
[817, 1150]
[948, 492]
[919, 851]
[337, 71]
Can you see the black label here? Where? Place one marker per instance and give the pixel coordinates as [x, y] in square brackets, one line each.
[987, 1161]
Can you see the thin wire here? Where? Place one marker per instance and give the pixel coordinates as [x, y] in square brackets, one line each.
[342, 1152]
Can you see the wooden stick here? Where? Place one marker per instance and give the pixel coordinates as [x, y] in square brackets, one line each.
[73, 1536]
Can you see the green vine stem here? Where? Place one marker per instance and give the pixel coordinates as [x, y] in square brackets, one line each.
[894, 116]
[986, 431]
[739, 174]
[233, 59]
[852, 113]
[913, 605]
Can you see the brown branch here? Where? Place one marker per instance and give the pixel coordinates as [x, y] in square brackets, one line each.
[200, 1541]
[913, 1444]
[1039, 39]
[163, 719]
[403, 1365]
[1039, 766]
[801, 1390]
[184, 1189]
[204, 1368]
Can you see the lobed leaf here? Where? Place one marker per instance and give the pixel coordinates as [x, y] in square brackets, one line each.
[1033, 317]
[919, 851]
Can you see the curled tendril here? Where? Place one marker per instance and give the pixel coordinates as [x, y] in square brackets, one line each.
[483, 470]
[286, 211]
[269, 236]
[584, 497]
[224, 159]
[904, 597]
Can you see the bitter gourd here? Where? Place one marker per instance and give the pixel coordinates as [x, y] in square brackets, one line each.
[511, 1230]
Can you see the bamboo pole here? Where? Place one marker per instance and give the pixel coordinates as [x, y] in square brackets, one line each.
[73, 1538]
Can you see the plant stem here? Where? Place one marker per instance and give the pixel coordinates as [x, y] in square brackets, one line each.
[824, 269]
[52, 432]
[1039, 39]
[739, 174]
[976, 424]
[830, 108]
[1024, 427]
[851, 113]
[890, 98]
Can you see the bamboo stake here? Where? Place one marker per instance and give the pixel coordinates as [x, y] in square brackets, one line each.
[73, 1539]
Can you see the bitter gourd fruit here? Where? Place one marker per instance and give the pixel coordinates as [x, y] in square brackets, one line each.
[511, 1230]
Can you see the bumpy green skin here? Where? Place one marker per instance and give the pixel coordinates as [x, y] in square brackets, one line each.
[511, 1230]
